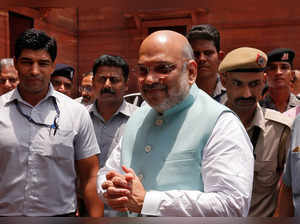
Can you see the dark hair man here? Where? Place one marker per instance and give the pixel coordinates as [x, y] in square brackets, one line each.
[205, 41]
[62, 79]
[242, 73]
[168, 154]
[110, 111]
[43, 136]
[9, 78]
[278, 77]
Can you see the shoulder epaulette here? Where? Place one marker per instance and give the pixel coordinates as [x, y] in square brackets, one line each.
[278, 117]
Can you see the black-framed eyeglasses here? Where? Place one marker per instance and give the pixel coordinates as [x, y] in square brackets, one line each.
[11, 80]
[85, 88]
[57, 83]
[159, 68]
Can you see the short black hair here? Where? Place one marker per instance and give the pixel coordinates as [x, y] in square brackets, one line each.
[34, 39]
[204, 32]
[112, 61]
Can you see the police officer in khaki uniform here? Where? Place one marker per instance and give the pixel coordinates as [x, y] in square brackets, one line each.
[279, 76]
[242, 74]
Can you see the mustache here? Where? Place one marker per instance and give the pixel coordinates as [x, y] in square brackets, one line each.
[31, 76]
[153, 86]
[248, 100]
[107, 90]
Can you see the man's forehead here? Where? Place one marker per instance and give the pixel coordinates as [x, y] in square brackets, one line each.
[87, 78]
[279, 63]
[162, 45]
[114, 72]
[8, 74]
[203, 43]
[61, 78]
[35, 55]
[162, 55]
[8, 69]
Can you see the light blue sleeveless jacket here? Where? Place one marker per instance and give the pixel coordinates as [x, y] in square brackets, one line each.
[165, 150]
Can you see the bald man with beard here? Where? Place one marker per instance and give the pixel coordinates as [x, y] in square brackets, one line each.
[182, 154]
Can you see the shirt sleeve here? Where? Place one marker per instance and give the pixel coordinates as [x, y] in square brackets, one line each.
[85, 142]
[227, 172]
[287, 173]
[112, 163]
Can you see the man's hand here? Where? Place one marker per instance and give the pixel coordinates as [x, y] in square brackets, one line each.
[124, 192]
[137, 195]
[117, 191]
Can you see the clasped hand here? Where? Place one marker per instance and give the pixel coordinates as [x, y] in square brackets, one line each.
[124, 192]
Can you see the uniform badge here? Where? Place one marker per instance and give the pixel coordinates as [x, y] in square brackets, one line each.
[285, 57]
[260, 60]
[297, 149]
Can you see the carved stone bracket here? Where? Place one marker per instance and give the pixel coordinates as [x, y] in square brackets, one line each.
[139, 17]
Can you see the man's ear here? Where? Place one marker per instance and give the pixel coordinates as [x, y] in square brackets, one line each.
[223, 77]
[292, 76]
[126, 86]
[192, 69]
[265, 77]
[15, 62]
[221, 55]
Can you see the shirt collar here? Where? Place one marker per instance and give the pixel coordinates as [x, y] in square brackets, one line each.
[123, 109]
[15, 95]
[259, 118]
[293, 100]
[220, 89]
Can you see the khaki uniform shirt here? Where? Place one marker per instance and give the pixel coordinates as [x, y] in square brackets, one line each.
[270, 151]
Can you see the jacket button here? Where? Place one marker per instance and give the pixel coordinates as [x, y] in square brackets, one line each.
[159, 122]
[148, 148]
[141, 177]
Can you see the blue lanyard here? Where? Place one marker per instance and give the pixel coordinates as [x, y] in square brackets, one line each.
[53, 126]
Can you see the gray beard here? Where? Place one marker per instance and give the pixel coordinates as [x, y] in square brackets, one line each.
[175, 95]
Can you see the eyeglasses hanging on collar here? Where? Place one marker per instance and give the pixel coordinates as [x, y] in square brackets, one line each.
[53, 127]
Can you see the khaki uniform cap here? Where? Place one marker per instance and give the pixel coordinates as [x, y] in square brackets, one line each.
[244, 59]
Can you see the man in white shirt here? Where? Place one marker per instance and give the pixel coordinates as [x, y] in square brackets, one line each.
[46, 140]
[182, 154]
